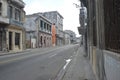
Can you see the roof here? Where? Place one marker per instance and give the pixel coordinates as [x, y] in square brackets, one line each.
[54, 12]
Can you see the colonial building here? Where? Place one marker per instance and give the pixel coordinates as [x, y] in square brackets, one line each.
[38, 31]
[72, 36]
[53, 35]
[11, 25]
[103, 37]
[57, 19]
[67, 38]
[83, 26]
[4, 22]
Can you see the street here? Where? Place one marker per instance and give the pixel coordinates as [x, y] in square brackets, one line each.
[37, 64]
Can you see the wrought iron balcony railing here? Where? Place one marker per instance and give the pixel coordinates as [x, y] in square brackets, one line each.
[15, 22]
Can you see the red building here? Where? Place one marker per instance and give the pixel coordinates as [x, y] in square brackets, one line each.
[53, 35]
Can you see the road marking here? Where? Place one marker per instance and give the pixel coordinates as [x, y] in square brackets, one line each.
[28, 56]
[67, 62]
[53, 55]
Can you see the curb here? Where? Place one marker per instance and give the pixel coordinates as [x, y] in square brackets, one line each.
[63, 72]
[10, 53]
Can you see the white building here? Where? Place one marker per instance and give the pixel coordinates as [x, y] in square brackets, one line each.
[57, 19]
[66, 38]
[38, 31]
[72, 36]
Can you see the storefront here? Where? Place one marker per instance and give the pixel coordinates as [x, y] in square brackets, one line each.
[15, 38]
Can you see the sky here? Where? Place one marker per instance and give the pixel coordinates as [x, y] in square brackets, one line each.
[65, 7]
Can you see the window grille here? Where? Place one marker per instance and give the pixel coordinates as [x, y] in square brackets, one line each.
[94, 24]
[112, 25]
[0, 8]
[17, 38]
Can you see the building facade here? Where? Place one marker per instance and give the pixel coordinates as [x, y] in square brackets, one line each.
[67, 39]
[11, 25]
[72, 36]
[4, 21]
[83, 26]
[103, 37]
[38, 31]
[57, 19]
[53, 35]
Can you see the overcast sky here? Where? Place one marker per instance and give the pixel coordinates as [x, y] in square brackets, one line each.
[64, 7]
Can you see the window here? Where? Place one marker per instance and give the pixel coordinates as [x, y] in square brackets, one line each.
[50, 28]
[17, 15]
[0, 8]
[11, 12]
[112, 26]
[45, 26]
[41, 24]
[94, 25]
[17, 38]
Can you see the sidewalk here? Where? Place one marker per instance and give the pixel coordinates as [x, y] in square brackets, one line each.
[79, 69]
[26, 50]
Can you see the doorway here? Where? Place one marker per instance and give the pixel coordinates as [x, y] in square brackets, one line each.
[41, 41]
[10, 40]
[0, 40]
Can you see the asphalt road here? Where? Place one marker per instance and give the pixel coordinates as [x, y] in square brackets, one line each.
[37, 64]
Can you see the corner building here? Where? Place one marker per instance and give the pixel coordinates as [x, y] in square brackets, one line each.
[12, 33]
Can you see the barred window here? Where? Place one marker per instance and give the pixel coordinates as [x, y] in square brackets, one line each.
[41, 24]
[112, 26]
[94, 24]
[0, 8]
[17, 15]
[11, 11]
[17, 38]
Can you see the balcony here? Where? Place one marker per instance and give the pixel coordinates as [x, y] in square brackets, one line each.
[4, 20]
[15, 22]
[19, 2]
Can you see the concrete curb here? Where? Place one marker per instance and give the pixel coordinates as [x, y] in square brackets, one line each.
[62, 72]
[9, 53]
[27, 50]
